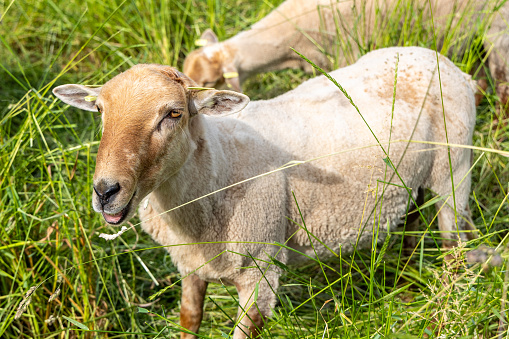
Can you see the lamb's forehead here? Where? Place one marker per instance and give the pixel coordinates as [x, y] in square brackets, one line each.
[143, 83]
[202, 59]
[211, 51]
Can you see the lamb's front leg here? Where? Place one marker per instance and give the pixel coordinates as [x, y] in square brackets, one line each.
[191, 309]
[253, 314]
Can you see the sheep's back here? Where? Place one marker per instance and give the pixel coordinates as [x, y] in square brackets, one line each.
[337, 193]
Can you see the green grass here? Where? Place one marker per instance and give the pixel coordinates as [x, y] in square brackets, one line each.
[49, 233]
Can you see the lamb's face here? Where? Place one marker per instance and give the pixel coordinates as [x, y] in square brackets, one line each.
[145, 112]
[145, 138]
[205, 67]
[213, 66]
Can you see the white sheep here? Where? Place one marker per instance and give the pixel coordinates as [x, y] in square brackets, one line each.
[170, 144]
[321, 29]
[497, 43]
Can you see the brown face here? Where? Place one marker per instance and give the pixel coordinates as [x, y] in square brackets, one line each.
[205, 68]
[146, 140]
[145, 116]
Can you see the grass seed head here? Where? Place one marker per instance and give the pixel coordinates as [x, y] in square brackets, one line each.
[50, 320]
[25, 302]
[54, 295]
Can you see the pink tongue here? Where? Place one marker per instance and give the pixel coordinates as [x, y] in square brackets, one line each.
[113, 218]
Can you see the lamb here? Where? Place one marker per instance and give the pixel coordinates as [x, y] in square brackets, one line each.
[311, 27]
[169, 143]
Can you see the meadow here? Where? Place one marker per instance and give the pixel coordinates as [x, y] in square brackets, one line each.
[128, 287]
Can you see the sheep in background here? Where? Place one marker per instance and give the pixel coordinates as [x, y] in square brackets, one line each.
[170, 144]
[311, 27]
[497, 41]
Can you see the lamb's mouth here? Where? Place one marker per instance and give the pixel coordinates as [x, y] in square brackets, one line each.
[116, 219]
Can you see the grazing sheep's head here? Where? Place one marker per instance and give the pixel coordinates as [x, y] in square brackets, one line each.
[145, 113]
[212, 65]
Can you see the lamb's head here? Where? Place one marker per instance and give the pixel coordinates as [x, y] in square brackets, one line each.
[147, 113]
[213, 64]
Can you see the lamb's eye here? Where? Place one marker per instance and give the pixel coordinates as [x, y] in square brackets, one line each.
[98, 109]
[170, 119]
[174, 114]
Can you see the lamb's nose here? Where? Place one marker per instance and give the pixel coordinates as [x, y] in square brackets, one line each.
[105, 191]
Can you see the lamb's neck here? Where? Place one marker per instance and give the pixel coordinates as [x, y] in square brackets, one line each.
[205, 171]
[254, 55]
[266, 45]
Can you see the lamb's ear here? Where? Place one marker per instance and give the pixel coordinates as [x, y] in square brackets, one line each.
[214, 102]
[209, 36]
[231, 77]
[78, 96]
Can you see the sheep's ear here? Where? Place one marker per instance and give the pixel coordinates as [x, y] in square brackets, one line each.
[231, 77]
[209, 36]
[214, 102]
[78, 96]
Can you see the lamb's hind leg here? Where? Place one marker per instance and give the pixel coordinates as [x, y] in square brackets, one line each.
[191, 309]
[456, 225]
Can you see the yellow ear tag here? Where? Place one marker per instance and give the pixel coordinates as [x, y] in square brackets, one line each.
[229, 75]
[90, 98]
[201, 42]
